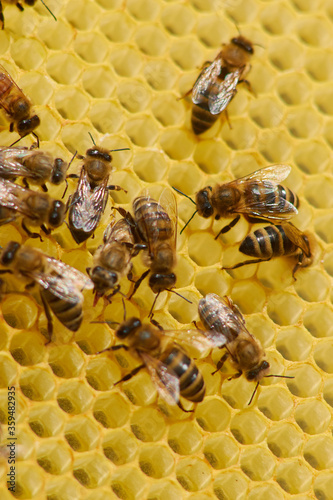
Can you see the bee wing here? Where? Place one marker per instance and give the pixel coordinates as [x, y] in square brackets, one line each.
[297, 237]
[13, 196]
[166, 383]
[273, 173]
[207, 76]
[64, 281]
[10, 164]
[167, 200]
[193, 337]
[221, 94]
[3, 74]
[88, 204]
[109, 229]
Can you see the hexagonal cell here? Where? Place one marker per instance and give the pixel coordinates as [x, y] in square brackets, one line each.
[249, 296]
[221, 451]
[275, 145]
[142, 130]
[322, 356]
[151, 40]
[177, 144]
[266, 112]
[318, 452]
[211, 156]
[46, 420]
[193, 474]
[98, 81]
[82, 15]
[204, 251]
[117, 26]
[106, 117]
[312, 157]
[275, 403]
[313, 417]
[28, 53]
[54, 457]
[284, 308]
[164, 490]
[126, 61]
[294, 477]
[328, 391]
[257, 463]
[294, 343]
[74, 397]
[29, 480]
[148, 425]
[286, 54]
[322, 225]
[186, 53]
[248, 427]
[81, 433]
[91, 47]
[120, 447]
[323, 100]
[323, 485]
[266, 492]
[64, 488]
[185, 176]
[230, 485]
[64, 68]
[318, 320]
[37, 384]
[27, 348]
[303, 123]
[19, 313]
[178, 19]
[319, 66]
[160, 74]
[167, 110]
[184, 438]
[71, 104]
[111, 410]
[92, 470]
[285, 440]
[102, 373]
[306, 381]
[143, 10]
[140, 390]
[66, 361]
[277, 18]
[242, 135]
[156, 461]
[56, 36]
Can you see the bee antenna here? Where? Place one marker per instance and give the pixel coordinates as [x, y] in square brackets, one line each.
[187, 223]
[35, 135]
[279, 376]
[186, 196]
[91, 137]
[107, 322]
[179, 295]
[239, 32]
[150, 315]
[258, 45]
[255, 390]
[50, 11]
[122, 149]
[122, 299]
[17, 140]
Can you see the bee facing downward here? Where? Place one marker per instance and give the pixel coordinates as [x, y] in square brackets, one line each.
[87, 204]
[217, 83]
[16, 105]
[60, 284]
[269, 242]
[226, 329]
[258, 195]
[172, 371]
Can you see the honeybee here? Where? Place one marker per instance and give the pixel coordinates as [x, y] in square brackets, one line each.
[16, 105]
[37, 167]
[60, 285]
[87, 204]
[275, 241]
[37, 208]
[112, 260]
[217, 83]
[257, 195]
[20, 7]
[173, 372]
[157, 227]
[226, 329]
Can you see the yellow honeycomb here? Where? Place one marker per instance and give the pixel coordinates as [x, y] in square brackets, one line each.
[116, 68]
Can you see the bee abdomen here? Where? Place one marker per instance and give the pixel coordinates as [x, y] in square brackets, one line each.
[267, 242]
[68, 313]
[191, 383]
[288, 195]
[153, 221]
[202, 119]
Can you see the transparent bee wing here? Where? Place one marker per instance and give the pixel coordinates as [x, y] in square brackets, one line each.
[297, 237]
[166, 382]
[167, 200]
[64, 281]
[10, 164]
[108, 233]
[207, 76]
[219, 99]
[193, 337]
[274, 173]
[13, 196]
[3, 102]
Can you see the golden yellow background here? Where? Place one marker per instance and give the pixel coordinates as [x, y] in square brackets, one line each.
[116, 68]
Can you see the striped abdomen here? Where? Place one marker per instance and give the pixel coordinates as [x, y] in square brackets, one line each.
[153, 221]
[68, 313]
[271, 195]
[268, 242]
[191, 382]
[202, 119]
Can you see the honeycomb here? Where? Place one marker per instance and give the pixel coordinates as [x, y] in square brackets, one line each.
[116, 69]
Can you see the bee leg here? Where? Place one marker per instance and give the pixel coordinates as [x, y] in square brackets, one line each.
[11, 127]
[156, 323]
[179, 404]
[137, 248]
[65, 191]
[2, 19]
[48, 318]
[249, 86]
[6, 271]
[236, 375]
[112, 187]
[227, 228]
[29, 285]
[221, 363]
[130, 375]
[138, 283]
[246, 262]
[45, 230]
[25, 183]
[29, 233]
[19, 6]
[72, 176]
[44, 188]
[109, 297]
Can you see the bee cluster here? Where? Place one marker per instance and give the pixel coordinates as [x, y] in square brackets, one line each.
[149, 231]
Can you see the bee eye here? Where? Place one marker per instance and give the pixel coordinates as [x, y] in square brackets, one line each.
[9, 254]
[251, 375]
[56, 216]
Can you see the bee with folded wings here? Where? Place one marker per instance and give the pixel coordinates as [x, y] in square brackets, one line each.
[112, 259]
[217, 83]
[35, 167]
[226, 329]
[172, 371]
[35, 207]
[269, 242]
[60, 285]
[255, 196]
[87, 204]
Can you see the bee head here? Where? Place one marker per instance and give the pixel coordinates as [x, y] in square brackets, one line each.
[57, 213]
[8, 254]
[203, 202]
[99, 154]
[27, 125]
[259, 372]
[59, 171]
[159, 282]
[128, 327]
[243, 43]
[103, 279]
